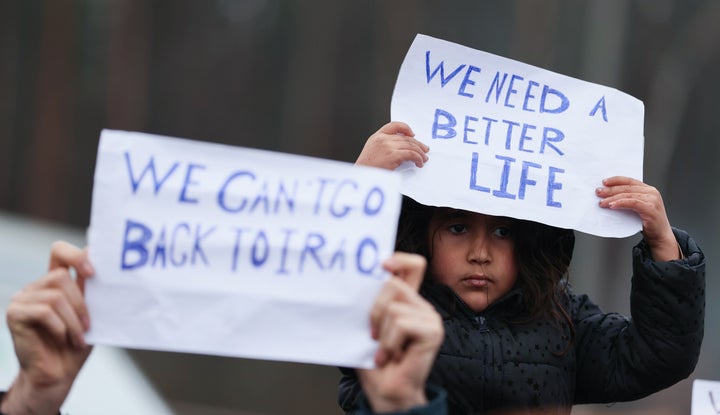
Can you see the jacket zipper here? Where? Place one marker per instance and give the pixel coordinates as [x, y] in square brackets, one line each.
[482, 324]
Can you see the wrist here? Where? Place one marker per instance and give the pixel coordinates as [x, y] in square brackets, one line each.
[666, 252]
[398, 403]
[666, 248]
[26, 398]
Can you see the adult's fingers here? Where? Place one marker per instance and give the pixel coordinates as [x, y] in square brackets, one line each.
[405, 326]
[50, 305]
[59, 281]
[22, 316]
[73, 292]
[394, 291]
[401, 324]
[386, 295]
[59, 291]
[408, 267]
[64, 254]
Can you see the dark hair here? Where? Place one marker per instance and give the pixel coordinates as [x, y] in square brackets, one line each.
[542, 253]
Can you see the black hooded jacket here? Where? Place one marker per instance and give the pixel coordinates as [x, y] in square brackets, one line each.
[489, 363]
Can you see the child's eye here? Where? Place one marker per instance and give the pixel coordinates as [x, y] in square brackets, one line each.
[503, 232]
[457, 228]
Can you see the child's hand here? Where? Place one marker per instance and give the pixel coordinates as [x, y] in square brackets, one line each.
[625, 193]
[391, 145]
[409, 332]
[47, 320]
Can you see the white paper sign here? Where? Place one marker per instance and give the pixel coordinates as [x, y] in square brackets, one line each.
[511, 139]
[214, 249]
[705, 397]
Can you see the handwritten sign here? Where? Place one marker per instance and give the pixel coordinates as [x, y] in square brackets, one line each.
[214, 249]
[705, 397]
[512, 139]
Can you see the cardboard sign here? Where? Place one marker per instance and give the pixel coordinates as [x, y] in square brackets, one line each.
[208, 248]
[511, 139]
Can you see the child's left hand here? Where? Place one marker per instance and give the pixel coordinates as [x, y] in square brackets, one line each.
[621, 192]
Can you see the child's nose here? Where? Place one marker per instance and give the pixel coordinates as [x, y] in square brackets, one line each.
[478, 251]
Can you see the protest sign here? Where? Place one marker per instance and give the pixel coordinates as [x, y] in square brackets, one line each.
[511, 139]
[705, 397]
[208, 248]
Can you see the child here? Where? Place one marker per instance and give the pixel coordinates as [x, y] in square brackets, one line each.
[48, 319]
[517, 336]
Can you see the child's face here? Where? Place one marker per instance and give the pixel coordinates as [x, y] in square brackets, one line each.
[473, 254]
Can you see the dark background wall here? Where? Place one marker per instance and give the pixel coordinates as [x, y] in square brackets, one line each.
[316, 78]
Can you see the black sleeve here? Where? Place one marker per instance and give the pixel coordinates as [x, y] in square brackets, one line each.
[349, 391]
[352, 400]
[621, 359]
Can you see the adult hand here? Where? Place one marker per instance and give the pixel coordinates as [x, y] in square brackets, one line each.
[47, 321]
[621, 192]
[409, 332]
[391, 145]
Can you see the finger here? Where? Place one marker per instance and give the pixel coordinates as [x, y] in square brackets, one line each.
[21, 316]
[64, 254]
[73, 291]
[417, 158]
[60, 278]
[405, 143]
[59, 306]
[378, 310]
[381, 357]
[408, 267]
[408, 324]
[392, 331]
[649, 197]
[393, 143]
[402, 149]
[621, 180]
[645, 205]
[629, 189]
[397, 127]
[395, 291]
[422, 147]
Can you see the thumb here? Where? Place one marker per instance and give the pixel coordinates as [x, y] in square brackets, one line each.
[408, 267]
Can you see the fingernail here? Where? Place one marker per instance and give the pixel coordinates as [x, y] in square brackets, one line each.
[86, 322]
[380, 357]
[81, 341]
[87, 269]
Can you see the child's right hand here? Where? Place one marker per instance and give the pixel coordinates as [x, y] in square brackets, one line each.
[47, 321]
[391, 145]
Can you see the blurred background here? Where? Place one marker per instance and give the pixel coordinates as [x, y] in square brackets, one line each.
[316, 78]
